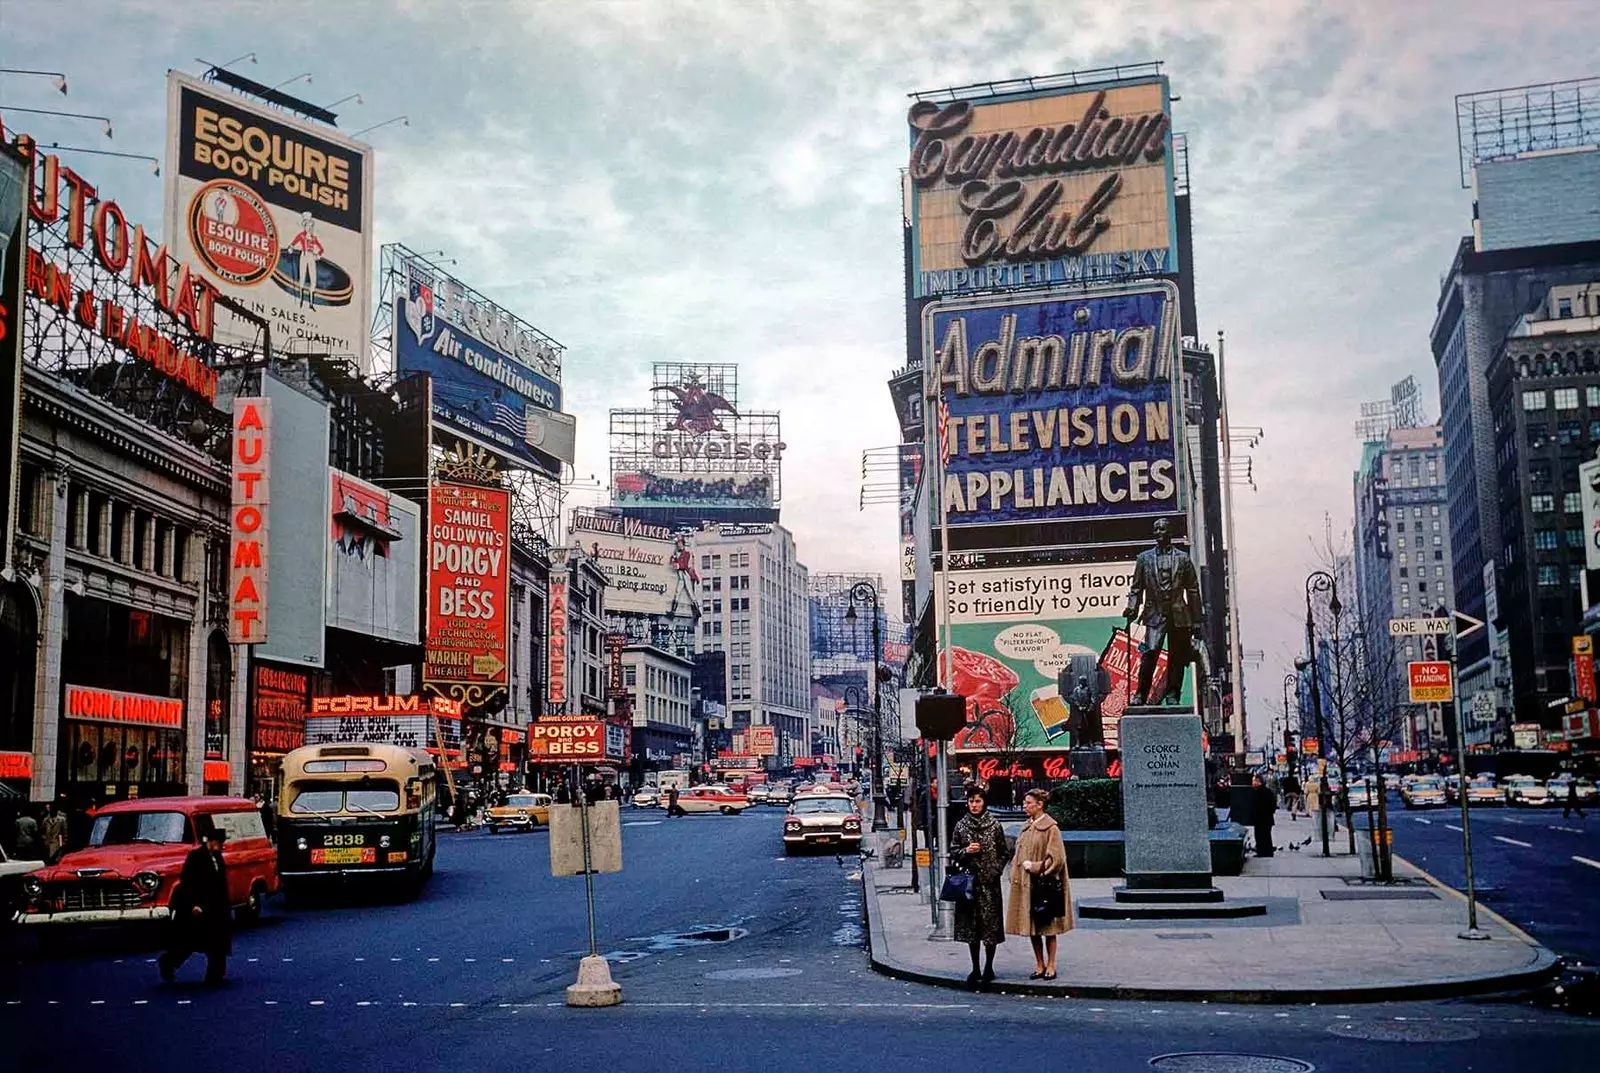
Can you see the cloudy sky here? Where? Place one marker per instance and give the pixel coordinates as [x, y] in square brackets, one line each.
[717, 181]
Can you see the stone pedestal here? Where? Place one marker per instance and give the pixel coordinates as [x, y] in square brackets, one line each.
[1167, 845]
[595, 986]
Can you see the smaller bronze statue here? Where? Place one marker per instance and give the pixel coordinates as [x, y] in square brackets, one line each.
[1166, 599]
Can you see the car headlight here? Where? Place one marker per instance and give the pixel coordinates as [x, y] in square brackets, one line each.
[300, 843]
[147, 882]
[32, 886]
[383, 841]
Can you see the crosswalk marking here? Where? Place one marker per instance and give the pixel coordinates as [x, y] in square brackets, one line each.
[1513, 842]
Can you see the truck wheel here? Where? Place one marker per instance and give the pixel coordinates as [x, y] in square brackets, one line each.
[250, 911]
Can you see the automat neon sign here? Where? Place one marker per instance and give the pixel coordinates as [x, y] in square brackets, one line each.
[125, 250]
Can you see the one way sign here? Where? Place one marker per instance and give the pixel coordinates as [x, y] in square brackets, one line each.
[1417, 627]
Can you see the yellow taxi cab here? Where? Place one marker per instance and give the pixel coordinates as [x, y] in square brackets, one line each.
[521, 812]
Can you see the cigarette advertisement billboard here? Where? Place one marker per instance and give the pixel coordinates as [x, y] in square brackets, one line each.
[275, 212]
[469, 578]
[1057, 407]
[1073, 185]
[1013, 631]
[483, 391]
[648, 570]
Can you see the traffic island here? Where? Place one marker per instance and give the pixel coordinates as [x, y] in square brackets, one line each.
[1313, 943]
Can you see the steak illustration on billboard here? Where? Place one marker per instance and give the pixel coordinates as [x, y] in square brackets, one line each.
[275, 210]
[1014, 631]
[469, 577]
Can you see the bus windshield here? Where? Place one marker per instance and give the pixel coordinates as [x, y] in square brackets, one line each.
[320, 799]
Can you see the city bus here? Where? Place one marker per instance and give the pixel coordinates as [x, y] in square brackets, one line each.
[356, 813]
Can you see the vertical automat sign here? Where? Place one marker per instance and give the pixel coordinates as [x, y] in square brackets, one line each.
[276, 211]
[252, 499]
[469, 578]
[13, 252]
[556, 637]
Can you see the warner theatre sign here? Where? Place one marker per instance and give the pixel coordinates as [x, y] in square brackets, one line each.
[1063, 186]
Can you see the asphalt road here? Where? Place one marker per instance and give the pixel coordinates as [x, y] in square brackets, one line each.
[470, 976]
[1536, 869]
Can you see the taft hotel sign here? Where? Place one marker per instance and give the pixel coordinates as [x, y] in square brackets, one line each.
[1069, 185]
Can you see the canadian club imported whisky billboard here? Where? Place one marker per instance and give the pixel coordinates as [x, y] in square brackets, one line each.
[469, 579]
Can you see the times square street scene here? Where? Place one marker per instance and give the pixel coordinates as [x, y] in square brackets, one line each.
[720, 535]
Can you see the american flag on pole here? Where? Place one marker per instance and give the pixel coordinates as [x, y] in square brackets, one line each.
[944, 433]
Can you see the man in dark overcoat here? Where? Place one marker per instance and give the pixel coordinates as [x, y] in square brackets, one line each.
[202, 912]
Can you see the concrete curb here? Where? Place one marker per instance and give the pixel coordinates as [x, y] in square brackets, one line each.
[1546, 965]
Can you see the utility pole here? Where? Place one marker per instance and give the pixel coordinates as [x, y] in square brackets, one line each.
[1237, 723]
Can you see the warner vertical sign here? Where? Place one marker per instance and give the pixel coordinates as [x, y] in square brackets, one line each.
[252, 499]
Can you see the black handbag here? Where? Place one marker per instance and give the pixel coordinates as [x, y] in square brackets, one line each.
[1048, 899]
[957, 888]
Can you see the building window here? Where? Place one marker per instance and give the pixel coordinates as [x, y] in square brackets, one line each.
[1549, 575]
[1438, 555]
[1405, 603]
[1592, 395]
[1404, 572]
[630, 676]
[1572, 503]
[1542, 503]
[1405, 586]
[1563, 307]
[1534, 400]
[1574, 538]
[1575, 575]
[1436, 540]
[1569, 432]
[1422, 587]
[1566, 398]
[1399, 527]
[1544, 540]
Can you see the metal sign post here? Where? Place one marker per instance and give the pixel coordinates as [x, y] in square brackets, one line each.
[1472, 932]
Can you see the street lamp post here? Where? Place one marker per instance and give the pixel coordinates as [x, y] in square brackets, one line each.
[866, 592]
[1319, 581]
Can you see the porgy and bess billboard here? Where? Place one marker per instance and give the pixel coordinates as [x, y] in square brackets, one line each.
[1013, 634]
[469, 581]
[496, 380]
[1057, 407]
[1070, 185]
[275, 212]
[647, 568]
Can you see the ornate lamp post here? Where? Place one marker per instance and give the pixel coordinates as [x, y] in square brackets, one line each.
[1319, 581]
[1292, 681]
[865, 592]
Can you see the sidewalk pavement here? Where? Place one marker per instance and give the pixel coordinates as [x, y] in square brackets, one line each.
[1327, 936]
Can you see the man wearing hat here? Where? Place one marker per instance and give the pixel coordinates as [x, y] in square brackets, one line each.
[201, 911]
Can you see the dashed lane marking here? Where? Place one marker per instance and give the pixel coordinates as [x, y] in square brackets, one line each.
[1452, 827]
[1420, 820]
[1587, 861]
[1568, 830]
[1513, 841]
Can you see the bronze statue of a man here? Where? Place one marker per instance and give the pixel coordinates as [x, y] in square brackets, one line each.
[1166, 599]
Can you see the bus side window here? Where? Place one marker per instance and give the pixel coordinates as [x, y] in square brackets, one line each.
[414, 793]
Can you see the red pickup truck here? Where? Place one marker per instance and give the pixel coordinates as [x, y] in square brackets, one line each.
[136, 850]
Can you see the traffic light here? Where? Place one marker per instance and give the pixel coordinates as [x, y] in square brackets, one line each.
[941, 715]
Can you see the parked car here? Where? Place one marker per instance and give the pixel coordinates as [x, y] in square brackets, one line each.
[649, 797]
[712, 799]
[1524, 791]
[822, 820]
[1424, 792]
[136, 849]
[1558, 789]
[521, 812]
[11, 873]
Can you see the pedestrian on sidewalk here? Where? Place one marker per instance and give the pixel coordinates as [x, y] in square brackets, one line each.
[202, 915]
[980, 850]
[25, 838]
[1040, 905]
[1294, 798]
[53, 833]
[1262, 805]
[1571, 805]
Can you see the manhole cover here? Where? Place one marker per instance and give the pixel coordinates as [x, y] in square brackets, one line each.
[751, 974]
[1223, 1062]
[1404, 1031]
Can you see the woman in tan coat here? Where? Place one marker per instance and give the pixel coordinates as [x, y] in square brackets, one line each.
[1039, 853]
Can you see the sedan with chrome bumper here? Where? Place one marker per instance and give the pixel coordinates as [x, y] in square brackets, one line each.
[824, 820]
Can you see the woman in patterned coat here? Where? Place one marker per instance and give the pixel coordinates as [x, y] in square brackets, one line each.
[978, 845]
